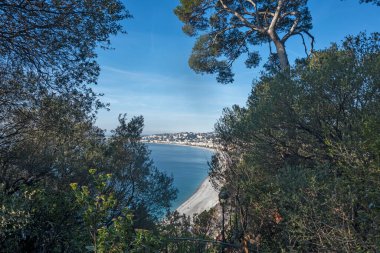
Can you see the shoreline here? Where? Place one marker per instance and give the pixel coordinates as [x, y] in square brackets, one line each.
[204, 198]
[182, 145]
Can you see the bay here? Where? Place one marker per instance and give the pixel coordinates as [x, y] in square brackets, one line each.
[188, 166]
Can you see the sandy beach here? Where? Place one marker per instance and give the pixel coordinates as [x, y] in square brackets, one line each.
[182, 145]
[203, 199]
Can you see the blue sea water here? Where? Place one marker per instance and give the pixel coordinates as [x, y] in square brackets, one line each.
[188, 166]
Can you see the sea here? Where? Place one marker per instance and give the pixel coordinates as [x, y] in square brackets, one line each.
[188, 166]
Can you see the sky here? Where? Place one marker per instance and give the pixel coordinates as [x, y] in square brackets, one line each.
[147, 71]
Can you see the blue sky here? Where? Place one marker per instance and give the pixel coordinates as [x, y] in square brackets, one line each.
[147, 72]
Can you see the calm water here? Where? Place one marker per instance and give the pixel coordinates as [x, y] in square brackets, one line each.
[187, 165]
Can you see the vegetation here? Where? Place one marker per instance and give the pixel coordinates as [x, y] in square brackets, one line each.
[303, 155]
[301, 160]
[299, 163]
[376, 2]
[48, 139]
[232, 28]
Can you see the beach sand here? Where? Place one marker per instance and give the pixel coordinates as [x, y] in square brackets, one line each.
[203, 199]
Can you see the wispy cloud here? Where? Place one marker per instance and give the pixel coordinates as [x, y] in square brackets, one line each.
[140, 77]
[167, 102]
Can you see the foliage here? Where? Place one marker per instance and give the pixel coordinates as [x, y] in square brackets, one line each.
[110, 229]
[376, 2]
[47, 62]
[47, 51]
[48, 138]
[302, 159]
[39, 217]
[55, 41]
[58, 158]
[137, 181]
[181, 233]
[229, 29]
[205, 224]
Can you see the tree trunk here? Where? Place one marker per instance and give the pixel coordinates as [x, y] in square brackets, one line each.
[281, 51]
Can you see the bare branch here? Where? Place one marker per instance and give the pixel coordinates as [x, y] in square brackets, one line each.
[303, 42]
[270, 46]
[240, 17]
[312, 40]
[291, 30]
[256, 11]
[245, 9]
[293, 13]
[253, 4]
[276, 15]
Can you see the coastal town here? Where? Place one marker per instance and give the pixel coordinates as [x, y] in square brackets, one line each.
[205, 140]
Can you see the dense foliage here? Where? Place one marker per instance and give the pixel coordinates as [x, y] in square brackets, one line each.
[48, 139]
[376, 2]
[301, 160]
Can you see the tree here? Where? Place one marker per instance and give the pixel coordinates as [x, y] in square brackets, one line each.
[36, 206]
[231, 28]
[303, 154]
[47, 50]
[177, 231]
[375, 2]
[47, 62]
[137, 182]
[48, 136]
[58, 38]
[110, 230]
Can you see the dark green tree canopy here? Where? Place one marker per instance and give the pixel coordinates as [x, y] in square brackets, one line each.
[47, 49]
[376, 2]
[57, 38]
[230, 28]
[307, 145]
[48, 137]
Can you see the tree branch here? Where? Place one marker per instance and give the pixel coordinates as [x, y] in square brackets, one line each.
[276, 16]
[303, 42]
[312, 40]
[291, 30]
[240, 17]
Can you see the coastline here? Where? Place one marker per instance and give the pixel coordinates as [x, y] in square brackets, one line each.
[204, 198]
[182, 144]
